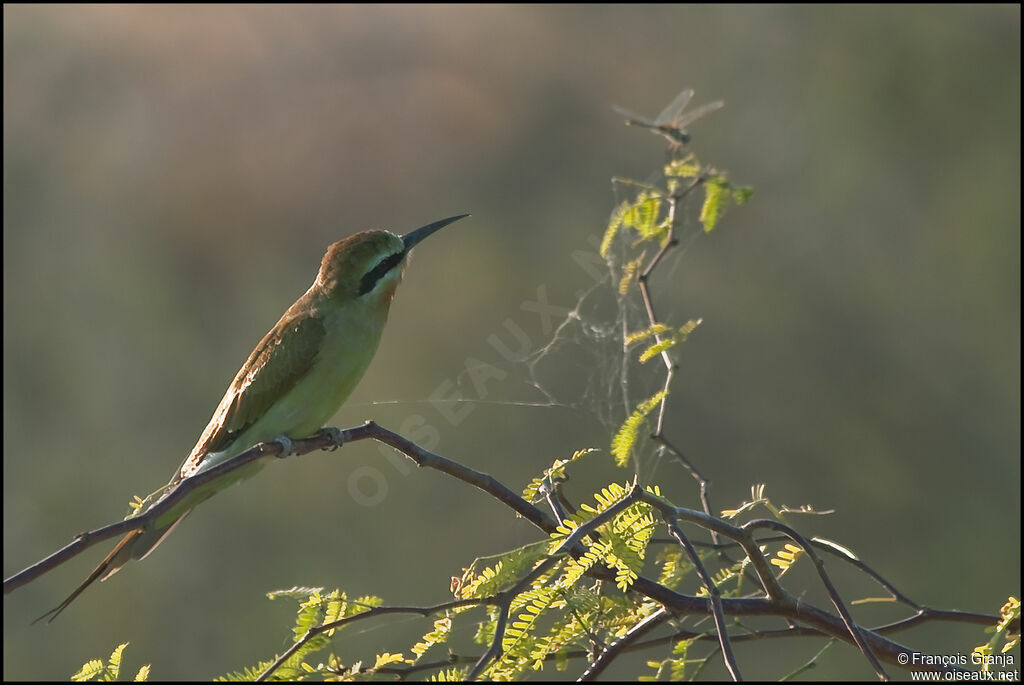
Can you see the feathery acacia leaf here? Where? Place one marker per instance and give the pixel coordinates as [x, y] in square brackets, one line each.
[442, 628]
[625, 438]
[95, 668]
[614, 224]
[650, 331]
[687, 167]
[629, 271]
[716, 197]
[554, 472]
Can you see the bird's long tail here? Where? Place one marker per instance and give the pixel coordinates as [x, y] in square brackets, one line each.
[135, 545]
[115, 560]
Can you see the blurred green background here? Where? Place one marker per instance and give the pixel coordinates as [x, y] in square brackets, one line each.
[172, 176]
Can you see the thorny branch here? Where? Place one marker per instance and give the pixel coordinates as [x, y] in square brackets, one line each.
[777, 603]
[704, 484]
[321, 441]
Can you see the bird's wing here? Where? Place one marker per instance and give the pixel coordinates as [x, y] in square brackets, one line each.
[271, 370]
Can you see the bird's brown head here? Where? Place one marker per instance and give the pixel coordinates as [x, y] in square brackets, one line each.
[369, 264]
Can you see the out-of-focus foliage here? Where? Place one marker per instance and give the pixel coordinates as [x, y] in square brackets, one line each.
[172, 176]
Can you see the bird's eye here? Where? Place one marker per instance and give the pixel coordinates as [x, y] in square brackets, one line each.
[376, 273]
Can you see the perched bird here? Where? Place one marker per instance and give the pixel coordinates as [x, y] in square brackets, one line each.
[295, 379]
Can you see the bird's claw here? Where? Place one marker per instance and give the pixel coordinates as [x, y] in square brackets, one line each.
[287, 448]
[337, 436]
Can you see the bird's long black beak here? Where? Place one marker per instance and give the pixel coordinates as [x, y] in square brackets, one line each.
[412, 238]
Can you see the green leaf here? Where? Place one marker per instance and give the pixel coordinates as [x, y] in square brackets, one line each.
[716, 198]
[442, 628]
[629, 271]
[554, 472]
[655, 329]
[310, 615]
[656, 349]
[687, 167]
[742, 194]
[504, 573]
[614, 224]
[674, 567]
[625, 438]
[114, 663]
[109, 671]
[89, 670]
[643, 216]
[387, 658]
[451, 675]
[297, 593]
[518, 640]
[658, 330]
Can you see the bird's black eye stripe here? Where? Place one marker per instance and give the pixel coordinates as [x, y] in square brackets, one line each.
[376, 273]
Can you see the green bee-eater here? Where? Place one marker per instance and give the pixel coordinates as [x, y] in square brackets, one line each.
[294, 380]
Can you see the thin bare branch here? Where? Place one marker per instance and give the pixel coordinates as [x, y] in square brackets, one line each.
[609, 653]
[855, 631]
[323, 440]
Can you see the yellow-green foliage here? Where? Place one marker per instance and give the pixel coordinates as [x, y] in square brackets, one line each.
[315, 609]
[519, 640]
[687, 167]
[715, 198]
[674, 567]
[656, 349]
[555, 472]
[652, 330]
[675, 337]
[641, 215]
[442, 628]
[675, 666]
[757, 498]
[502, 574]
[578, 603]
[625, 438]
[386, 659]
[787, 556]
[450, 675]
[560, 611]
[629, 270]
[89, 670]
[718, 195]
[631, 531]
[575, 567]
[614, 224]
[95, 668]
[1009, 614]
[623, 540]
[136, 505]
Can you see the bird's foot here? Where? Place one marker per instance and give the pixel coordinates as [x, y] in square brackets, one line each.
[287, 448]
[337, 436]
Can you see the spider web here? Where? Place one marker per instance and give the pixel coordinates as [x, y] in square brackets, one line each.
[582, 365]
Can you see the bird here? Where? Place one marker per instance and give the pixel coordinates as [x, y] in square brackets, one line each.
[293, 381]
